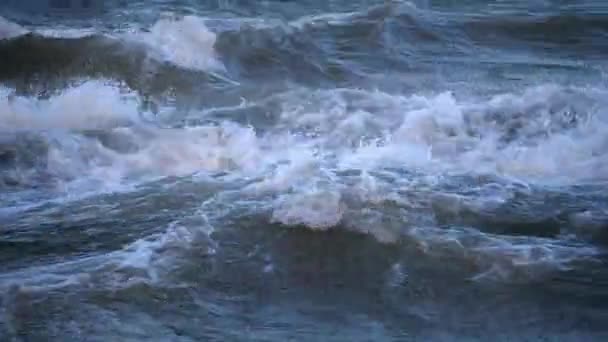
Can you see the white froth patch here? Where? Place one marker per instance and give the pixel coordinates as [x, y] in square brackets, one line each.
[186, 42]
[82, 163]
[9, 29]
[190, 150]
[430, 135]
[92, 105]
[85, 164]
[297, 166]
[316, 209]
[440, 133]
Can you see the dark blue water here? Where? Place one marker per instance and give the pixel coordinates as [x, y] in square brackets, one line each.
[305, 170]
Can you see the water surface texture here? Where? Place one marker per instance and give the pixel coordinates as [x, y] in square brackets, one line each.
[337, 170]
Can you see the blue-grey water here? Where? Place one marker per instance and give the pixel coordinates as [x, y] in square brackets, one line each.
[338, 170]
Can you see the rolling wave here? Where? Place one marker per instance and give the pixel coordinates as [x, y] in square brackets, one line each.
[343, 47]
[303, 160]
[36, 62]
[348, 169]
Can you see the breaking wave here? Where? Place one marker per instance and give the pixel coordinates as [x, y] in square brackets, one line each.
[184, 43]
[371, 162]
[385, 162]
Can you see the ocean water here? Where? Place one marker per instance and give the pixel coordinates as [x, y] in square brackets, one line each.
[307, 170]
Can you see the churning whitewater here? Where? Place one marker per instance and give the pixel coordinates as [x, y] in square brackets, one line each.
[318, 170]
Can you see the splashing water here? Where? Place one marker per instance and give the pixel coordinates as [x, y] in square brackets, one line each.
[387, 170]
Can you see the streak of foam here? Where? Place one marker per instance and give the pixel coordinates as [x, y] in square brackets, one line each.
[347, 18]
[9, 30]
[67, 32]
[147, 258]
[500, 257]
[325, 19]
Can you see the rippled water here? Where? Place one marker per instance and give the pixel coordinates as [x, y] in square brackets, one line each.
[305, 170]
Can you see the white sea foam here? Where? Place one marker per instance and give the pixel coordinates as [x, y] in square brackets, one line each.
[86, 163]
[342, 131]
[67, 32]
[186, 42]
[438, 135]
[92, 105]
[127, 148]
[442, 133]
[317, 209]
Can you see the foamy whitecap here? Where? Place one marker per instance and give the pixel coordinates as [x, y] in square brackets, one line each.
[190, 150]
[546, 133]
[425, 138]
[91, 105]
[94, 140]
[85, 162]
[317, 209]
[186, 42]
[296, 165]
[347, 131]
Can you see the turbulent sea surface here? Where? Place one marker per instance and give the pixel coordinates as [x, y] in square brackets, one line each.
[338, 170]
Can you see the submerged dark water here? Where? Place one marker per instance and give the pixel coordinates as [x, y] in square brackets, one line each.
[305, 170]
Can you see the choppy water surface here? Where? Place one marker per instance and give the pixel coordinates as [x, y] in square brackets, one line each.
[305, 170]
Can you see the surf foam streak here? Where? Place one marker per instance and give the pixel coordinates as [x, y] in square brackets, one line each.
[501, 258]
